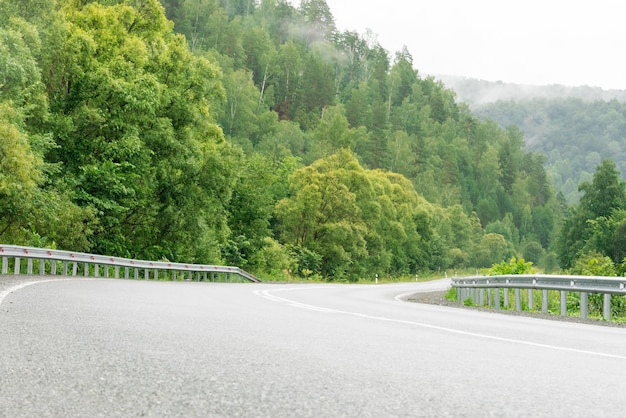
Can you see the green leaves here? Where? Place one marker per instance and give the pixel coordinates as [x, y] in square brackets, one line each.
[20, 171]
[597, 223]
[191, 146]
[514, 266]
[357, 220]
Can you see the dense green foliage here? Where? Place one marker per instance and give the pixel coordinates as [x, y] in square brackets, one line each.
[514, 266]
[598, 223]
[252, 133]
[574, 135]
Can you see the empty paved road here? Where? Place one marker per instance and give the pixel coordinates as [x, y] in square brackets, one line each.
[115, 348]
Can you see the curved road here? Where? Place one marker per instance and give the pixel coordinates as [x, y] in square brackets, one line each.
[115, 348]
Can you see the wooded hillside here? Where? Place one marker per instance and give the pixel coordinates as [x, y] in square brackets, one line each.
[255, 134]
[574, 135]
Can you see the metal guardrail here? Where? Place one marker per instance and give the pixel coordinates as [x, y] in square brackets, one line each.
[474, 288]
[66, 263]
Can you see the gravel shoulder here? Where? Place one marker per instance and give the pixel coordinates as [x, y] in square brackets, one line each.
[438, 298]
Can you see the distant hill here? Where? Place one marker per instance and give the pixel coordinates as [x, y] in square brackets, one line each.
[477, 92]
[575, 128]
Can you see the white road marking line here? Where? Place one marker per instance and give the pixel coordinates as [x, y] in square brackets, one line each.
[267, 294]
[12, 289]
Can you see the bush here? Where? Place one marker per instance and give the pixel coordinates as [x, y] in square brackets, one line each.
[273, 257]
[594, 264]
[533, 251]
[514, 266]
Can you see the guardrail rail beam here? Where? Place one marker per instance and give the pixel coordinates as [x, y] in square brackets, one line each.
[111, 265]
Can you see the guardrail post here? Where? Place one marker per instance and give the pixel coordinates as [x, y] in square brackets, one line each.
[42, 267]
[16, 270]
[5, 265]
[518, 300]
[126, 273]
[136, 274]
[96, 269]
[146, 274]
[117, 272]
[65, 268]
[496, 293]
[29, 267]
[584, 305]
[607, 306]
[531, 300]
[544, 301]
[563, 303]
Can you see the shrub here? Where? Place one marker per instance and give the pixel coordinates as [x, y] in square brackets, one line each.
[514, 266]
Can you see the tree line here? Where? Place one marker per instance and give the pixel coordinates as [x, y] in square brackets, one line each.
[574, 135]
[252, 133]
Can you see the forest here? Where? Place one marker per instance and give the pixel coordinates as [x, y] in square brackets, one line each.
[255, 134]
[574, 135]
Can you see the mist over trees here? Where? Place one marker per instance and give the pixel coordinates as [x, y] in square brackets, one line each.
[251, 133]
[575, 136]
[477, 93]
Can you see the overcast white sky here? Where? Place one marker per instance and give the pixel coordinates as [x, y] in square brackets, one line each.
[570, 42]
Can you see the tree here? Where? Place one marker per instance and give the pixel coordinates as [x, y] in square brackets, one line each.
[321, 23]
[135, 140]
[262, 59]
[596, 224]
[322, 215]
[493, 249]
[357, 220]
[291, 68]
[20, 174]
[317, 88]
[251, 208]
[332, 133]
[605, 194]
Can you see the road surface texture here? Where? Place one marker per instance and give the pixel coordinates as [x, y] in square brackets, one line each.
[123, 348]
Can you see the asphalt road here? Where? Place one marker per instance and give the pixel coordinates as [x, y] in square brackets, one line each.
[115, 348]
